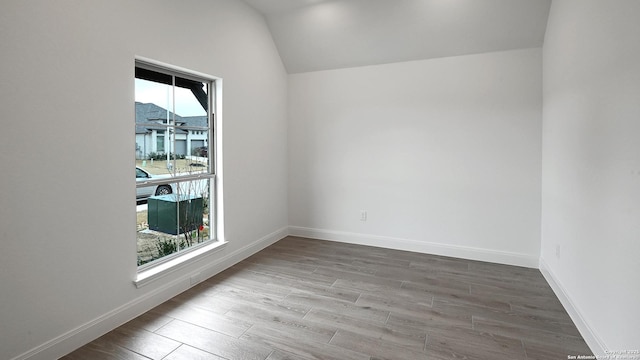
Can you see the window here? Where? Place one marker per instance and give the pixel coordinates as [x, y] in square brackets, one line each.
[175, 184]
[160, 143]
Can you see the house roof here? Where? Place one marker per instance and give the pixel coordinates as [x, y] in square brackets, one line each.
[148, 114]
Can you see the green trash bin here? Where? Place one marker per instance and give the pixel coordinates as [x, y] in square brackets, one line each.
[164, 212]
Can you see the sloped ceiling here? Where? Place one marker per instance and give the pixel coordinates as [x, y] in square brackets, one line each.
[328, 34]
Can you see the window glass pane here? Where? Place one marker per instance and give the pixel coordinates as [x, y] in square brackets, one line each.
[173, 222]
[194, 210]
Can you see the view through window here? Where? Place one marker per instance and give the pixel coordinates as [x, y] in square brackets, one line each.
[175, 172]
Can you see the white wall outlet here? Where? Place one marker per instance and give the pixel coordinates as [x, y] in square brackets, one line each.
[363, 215]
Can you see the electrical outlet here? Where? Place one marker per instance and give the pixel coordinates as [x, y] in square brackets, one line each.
[363, 215]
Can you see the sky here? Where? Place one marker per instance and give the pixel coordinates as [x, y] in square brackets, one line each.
[160, 94]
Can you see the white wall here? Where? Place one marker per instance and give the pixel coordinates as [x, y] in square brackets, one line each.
[591, 167]
[67, 220]
[443, 154]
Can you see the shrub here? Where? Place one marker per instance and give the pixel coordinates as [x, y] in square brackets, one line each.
[168, 246]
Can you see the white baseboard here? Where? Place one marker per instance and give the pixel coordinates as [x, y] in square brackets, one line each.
[71, 340]
[464, 252]
[589, 335]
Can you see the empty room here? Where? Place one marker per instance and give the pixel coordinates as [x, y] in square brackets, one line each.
[320, 179]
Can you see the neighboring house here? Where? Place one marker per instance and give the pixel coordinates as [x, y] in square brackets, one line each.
[151, 136]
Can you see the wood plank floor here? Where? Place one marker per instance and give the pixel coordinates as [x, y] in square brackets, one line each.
[311, 299]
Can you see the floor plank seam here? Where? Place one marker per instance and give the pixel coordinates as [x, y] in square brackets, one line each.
[172, 352]
[426, 339]
[386, 321]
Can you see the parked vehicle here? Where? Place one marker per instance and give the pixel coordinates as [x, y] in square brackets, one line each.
[144, 192]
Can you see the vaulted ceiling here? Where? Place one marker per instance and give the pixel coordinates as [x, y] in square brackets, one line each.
[328, 34]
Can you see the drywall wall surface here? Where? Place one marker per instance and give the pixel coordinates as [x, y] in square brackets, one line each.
[443, 155]
[67, 220]
[591, 166]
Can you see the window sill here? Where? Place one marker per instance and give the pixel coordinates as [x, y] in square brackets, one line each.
[150, 275]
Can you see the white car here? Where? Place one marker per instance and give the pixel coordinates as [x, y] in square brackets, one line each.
[147, 191]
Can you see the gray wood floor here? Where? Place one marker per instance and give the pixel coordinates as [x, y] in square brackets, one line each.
[311, 299]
